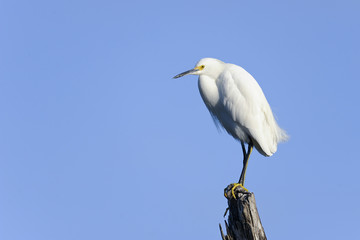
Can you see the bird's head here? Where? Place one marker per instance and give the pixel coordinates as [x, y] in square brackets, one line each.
[207, 66]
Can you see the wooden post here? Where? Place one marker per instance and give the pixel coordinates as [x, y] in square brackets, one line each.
[243, 220]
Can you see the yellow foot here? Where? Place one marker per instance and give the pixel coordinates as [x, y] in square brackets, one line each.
[235, 185]
[233, 189]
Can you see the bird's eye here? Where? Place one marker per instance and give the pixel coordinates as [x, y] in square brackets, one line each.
[202, 67]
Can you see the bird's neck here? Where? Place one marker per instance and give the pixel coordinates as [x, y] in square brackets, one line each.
[208, 90]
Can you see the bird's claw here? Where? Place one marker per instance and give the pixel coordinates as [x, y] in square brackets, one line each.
[234, 186]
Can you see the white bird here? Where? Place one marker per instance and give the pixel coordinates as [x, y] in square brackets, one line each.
[236, 101]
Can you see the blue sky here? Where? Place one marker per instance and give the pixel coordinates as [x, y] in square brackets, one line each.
[97, 141]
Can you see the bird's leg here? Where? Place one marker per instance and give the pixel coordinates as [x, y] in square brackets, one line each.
[245, 163]
[241, 184]
[244, 157]
[243, 149]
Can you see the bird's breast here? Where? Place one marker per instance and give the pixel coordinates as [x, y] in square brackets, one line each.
[209, 91]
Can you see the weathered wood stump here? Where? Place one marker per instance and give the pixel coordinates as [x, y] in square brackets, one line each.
[243, 220]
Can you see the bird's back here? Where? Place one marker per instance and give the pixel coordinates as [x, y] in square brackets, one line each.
[244, 112]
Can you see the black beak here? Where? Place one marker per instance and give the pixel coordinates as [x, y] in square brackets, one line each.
[186, 73]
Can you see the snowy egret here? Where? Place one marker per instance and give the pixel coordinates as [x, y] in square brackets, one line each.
[236, 101]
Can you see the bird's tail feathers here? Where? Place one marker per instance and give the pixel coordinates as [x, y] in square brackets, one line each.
[282, 136]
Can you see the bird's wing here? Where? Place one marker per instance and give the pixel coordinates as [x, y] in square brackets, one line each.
[244, 101]
[216, 121]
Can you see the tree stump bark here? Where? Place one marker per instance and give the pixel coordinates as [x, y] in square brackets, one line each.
[243, 220]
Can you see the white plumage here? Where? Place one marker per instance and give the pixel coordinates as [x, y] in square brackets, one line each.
[236, 101]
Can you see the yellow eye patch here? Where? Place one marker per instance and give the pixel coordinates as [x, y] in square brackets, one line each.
[200, 67]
